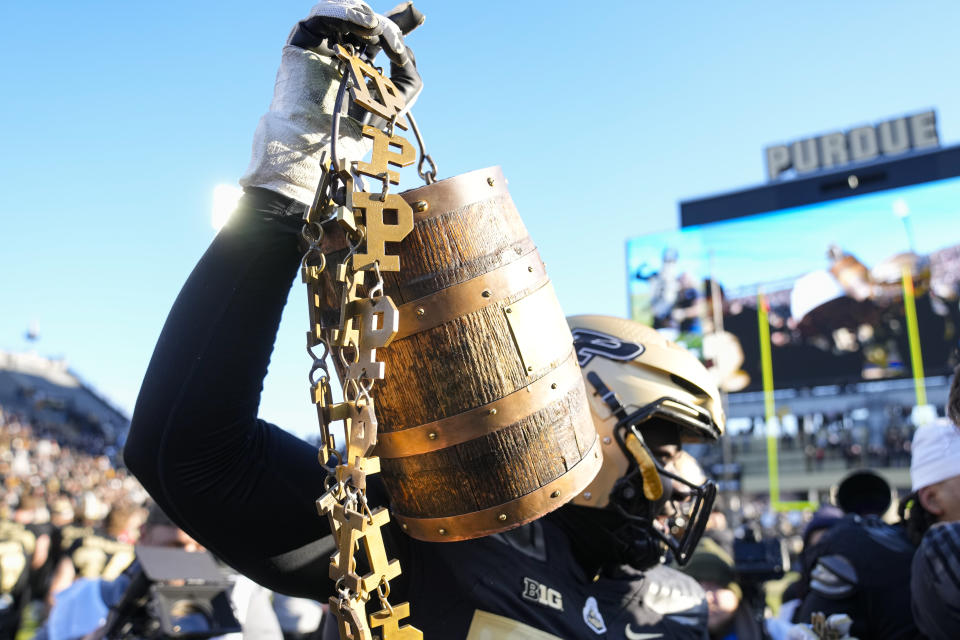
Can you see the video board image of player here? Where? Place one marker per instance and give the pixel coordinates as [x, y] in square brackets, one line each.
[674, 296]
[832, 278]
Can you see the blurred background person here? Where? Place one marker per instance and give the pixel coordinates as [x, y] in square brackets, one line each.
[860, 564]
[796, 591]
[84, 607]
[932, 514]
[67, 507]
[730, 617]
[17, 545]
[101, 552]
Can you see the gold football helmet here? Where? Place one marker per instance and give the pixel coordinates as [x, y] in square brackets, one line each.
[646, 391]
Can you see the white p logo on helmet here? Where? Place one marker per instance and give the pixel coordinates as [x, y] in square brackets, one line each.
[593, 343]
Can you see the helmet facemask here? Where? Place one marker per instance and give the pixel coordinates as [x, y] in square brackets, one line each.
[640, 495]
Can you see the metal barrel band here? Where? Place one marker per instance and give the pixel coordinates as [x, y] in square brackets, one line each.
[483, 420]
[517, 512]
[445, 196]
[503, 283]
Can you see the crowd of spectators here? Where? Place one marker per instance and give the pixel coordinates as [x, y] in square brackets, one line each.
[59, 493]
[827, 438]
[54, 497]
[70, 511]
[79, 476]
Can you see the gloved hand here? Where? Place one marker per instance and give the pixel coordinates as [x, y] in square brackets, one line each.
[353, 22]
[837, 626]
[292, 134]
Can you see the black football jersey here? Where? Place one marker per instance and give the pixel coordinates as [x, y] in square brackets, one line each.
[527, 584]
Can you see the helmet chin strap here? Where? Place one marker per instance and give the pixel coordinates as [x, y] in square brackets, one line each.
[633, 443]
[642, 544]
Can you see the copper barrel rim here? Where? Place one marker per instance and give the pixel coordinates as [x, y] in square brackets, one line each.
[455, 192]
[508, 515]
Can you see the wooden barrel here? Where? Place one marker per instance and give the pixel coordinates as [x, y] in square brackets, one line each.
[483, 419]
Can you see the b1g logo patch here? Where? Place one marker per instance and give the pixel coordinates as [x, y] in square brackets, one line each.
[593, 343]
[542, 594]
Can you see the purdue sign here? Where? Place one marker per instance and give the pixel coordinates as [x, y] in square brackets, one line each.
[862, 144]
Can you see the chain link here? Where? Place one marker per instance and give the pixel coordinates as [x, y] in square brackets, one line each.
[429, 176]
[353, 344]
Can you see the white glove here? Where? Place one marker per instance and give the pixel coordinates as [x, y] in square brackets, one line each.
[355, 22]
[291, 136]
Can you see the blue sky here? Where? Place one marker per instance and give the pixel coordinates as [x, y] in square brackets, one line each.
[118, 119]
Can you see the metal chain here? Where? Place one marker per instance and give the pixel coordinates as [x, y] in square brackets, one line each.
[353, 343]
[429, 176]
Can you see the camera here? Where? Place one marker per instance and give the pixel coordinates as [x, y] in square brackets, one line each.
[172, 594]
[758, 560]
[755, 561]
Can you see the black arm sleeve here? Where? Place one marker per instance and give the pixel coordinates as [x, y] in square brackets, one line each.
[243, 488]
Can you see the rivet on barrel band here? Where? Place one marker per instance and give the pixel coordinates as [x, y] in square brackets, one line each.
[445, 305]
[519, 511]
[446, 196]
[421, 205]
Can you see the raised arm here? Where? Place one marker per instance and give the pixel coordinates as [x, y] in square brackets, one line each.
[242, 487]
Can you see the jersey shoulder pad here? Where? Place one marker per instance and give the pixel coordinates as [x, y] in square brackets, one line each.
[71, 533]
[891, 537]
[668, 591]
[935, 581]
[939, 555]
[834, 577]
[14, 532]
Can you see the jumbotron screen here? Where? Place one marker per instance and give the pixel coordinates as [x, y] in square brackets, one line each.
[832, 278]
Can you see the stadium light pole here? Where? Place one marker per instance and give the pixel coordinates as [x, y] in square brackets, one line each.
[902, 210]
[766, 369]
